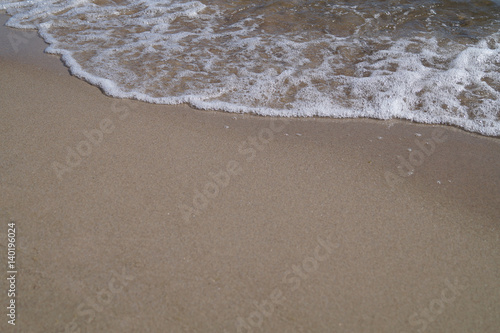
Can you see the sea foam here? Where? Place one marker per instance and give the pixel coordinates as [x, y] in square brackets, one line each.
[435, 62]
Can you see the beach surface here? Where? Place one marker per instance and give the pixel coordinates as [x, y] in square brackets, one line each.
[133, 217]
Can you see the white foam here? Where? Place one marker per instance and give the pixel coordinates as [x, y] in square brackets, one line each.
[238, 67]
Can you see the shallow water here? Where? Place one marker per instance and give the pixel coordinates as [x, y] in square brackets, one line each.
[427, 61]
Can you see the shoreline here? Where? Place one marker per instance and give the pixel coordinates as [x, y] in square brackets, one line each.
[168, 218]
[19, 39]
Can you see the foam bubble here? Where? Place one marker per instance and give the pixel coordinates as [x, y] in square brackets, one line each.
[431, 61]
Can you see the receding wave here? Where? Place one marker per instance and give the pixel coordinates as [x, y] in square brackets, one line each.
[428, 61]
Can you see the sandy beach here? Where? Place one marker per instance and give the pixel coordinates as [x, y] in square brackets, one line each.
[133, 217]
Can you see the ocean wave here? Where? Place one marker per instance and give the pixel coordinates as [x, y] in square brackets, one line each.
[434, 62]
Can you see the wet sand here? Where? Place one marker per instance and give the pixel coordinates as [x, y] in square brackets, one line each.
[132, 217]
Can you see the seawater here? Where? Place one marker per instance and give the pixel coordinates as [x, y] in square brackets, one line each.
[428, 61]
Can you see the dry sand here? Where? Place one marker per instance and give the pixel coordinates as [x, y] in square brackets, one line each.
[301, 233]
